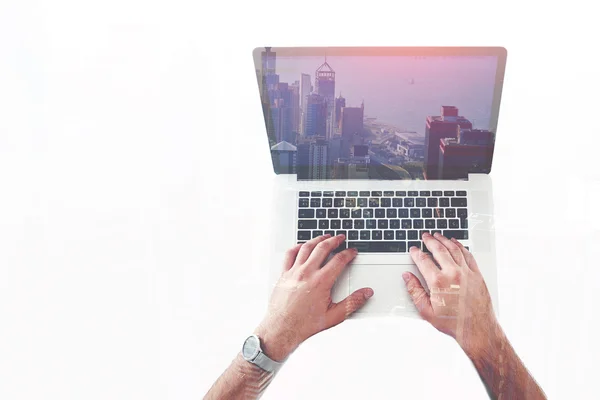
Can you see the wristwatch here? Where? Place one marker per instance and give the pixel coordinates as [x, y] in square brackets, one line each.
[252, 352]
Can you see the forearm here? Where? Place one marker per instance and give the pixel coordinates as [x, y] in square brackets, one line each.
[241, 381]
[501, 370]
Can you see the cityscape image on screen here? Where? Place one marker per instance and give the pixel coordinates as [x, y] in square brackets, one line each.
[378, 117]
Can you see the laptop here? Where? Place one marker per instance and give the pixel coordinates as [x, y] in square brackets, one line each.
[382, 144]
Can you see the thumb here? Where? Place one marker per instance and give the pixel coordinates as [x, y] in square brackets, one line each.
[418, 295]
[340, 311]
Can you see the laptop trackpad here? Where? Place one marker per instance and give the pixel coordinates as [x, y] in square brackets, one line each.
[391, 297]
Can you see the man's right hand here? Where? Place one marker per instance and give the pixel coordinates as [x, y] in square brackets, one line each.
[458, 302]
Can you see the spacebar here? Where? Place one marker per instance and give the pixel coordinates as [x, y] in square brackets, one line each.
[379, 247]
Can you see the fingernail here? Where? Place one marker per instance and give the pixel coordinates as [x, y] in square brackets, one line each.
[412, 248]
[368, 293]
[437, 234]
[406, 276]
[425, 234]
[327, 235]
[341, 236]
[454, 240]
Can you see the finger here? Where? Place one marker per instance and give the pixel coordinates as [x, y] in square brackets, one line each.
[322, 251]
[452, 248]
[439, 252]
[469, 259]
[425, 264]
[308, 247]
[418, 295]
[290, 257]
[336, 265]
[340, 311]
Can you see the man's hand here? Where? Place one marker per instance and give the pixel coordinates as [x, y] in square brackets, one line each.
[301, 303]
[458, 302]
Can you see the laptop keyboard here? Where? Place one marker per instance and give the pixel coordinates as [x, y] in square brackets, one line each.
[382, 221]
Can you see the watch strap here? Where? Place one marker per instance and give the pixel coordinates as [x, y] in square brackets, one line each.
[264, 362]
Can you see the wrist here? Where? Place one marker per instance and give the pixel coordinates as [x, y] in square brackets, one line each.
[276, 343]
[484, 343]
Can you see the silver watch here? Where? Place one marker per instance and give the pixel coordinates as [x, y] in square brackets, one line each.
[252, 352]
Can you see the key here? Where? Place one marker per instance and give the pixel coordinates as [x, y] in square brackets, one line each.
[304, 235]
[413, 235]
[341, 232]
[317, 234]
[426, 212]
[350, 202]
[430, 223]
[373, 202]
[304, 194]
[439, 213]
[400, 235]
[396, 202]
[402, 213]
[386, 202]
[445, 202]
[424, 193]
[371, 224]
[421, 232]
[436, 193]
[382, 224]
[378, 247]
[461, 213]
[388, 193]
[459, 202]
[336, 224]
[328, 194]
[359, 224]
[388, 235]
[432, 202]
[400, 193]
[415, 213]
[344, 213]
[433, 232]
[338, 202]
[453, 224]
[315, 203]
[409, 202]
[352, 194]
[451, 213]
[315, 194]
[327, 202]
[340, 193]
[418, 224]
[461, 192]
[448, 193]
[357, 213]
[364, 193]
[421, 202]
[376, 193]
[352, 235]
[307, 213]
[303, 203]
[363, 202]
[413, 193]
[391, 213]
[456, 234]
[406, 224]
[394, 224]
[442, 224]
[416, 243]
[307, 224]
[464, 223]
[368, 213]
[379, 213]
[323, 224]
[347, 224]
[376, 235]
[321, 213]
[365, 235]
[332, 233]
[332, 213]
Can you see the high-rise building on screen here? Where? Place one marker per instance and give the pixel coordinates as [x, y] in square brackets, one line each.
[316, 116]
[312, 160]
[325, 86]
[440, 127]
[352, 127]
[340, 103]
[284, 157]
[470, 152]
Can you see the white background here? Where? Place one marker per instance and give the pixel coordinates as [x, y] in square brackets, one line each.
[132, 258]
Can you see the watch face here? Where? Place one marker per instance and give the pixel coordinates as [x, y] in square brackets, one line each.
[250, 348]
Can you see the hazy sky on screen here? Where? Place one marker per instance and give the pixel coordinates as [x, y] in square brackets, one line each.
[384, 83]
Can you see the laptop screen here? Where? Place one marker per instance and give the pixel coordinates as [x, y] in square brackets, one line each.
[380, 113]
